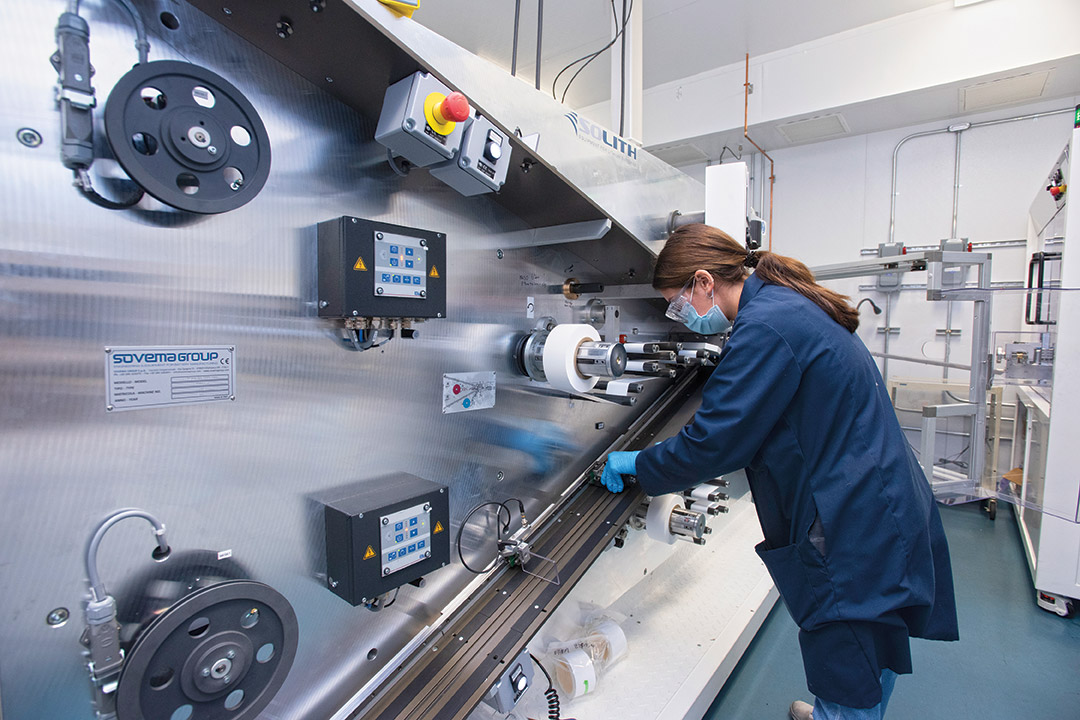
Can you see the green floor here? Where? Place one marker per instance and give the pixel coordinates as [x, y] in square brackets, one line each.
[1013, 659]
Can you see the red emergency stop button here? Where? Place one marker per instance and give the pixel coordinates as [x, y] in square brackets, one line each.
[444, 112]
[455, 107]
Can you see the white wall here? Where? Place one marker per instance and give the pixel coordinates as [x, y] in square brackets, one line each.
[937, 47]
[832, 200]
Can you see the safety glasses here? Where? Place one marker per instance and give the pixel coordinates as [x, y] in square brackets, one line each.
[679, 308]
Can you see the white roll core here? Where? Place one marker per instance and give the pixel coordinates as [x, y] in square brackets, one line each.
[611, 641]
[574, 673]
[658, 519]
[560, 358]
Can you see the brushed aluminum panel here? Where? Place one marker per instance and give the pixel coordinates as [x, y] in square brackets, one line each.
[309, 415]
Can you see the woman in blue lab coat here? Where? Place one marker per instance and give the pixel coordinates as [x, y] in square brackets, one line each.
[853, 539]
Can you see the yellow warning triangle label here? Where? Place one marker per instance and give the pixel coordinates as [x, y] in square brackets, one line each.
[370, 553]
[434, 272]
[359, 264]
[438, 528]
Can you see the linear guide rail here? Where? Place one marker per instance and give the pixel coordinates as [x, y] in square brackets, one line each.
[446, 677]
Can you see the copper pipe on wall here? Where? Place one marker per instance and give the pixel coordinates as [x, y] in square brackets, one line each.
[746, 134]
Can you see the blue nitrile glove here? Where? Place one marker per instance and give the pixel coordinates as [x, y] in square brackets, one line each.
[618, 464]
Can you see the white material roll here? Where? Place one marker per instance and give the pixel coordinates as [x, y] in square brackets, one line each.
[574, 673]
[702, 506]
[621, 387]
[560, 358]
[702, 492]
[611, 641]
[658, 519]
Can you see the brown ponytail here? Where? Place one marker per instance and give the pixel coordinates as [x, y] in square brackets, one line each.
[700, 247]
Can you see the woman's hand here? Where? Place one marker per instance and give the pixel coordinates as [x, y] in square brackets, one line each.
[618, 464]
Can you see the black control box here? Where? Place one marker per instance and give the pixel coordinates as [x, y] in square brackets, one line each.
[373, 269]
[384, 532]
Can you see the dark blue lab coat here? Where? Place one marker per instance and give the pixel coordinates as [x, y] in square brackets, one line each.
[853, 539]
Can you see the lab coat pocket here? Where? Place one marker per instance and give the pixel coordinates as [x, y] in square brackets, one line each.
[800, 576]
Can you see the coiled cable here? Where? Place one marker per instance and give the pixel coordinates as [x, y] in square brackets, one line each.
[551, 693]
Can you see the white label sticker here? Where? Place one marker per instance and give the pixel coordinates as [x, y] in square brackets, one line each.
[143, 377]
[468, 391]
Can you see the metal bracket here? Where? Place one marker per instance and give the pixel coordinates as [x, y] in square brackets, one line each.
[948, 332]
[889, 330]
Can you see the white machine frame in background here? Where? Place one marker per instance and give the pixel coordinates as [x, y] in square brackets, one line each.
[1047, 415]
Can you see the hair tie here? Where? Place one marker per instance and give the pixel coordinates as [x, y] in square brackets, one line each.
[751, 260]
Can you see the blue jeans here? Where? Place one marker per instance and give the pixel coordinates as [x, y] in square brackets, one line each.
[825, 710]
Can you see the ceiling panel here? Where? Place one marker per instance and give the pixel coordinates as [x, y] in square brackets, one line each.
[681, 37]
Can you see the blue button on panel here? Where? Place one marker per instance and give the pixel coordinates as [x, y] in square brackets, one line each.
[413, 533]
[413, 521]
[393, 262]
[394, 249]
[417, 280]
[408, 252]
[408, 263]
[397, 278]
[391, 555]
[420, 545]
[399, 526]
[399, 538]
[412, 548]
[386, 277]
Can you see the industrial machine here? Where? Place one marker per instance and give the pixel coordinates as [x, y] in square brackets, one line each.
[1042, 482]
[316, 371]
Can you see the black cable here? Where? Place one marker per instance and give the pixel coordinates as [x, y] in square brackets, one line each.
[622, 72]
[597, 53]
[551, 693]
[590, 57]
[600, 51]
[142, 45]
[730, 152]
[82, 181]
[393, 599]
[465, 521]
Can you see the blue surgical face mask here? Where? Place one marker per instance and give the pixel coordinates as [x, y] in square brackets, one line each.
[711, 323]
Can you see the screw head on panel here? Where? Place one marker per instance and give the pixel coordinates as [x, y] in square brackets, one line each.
[57, 617]
[29, 137]
[379, 236]
[386, 521]
[333, 583]
[499, 254]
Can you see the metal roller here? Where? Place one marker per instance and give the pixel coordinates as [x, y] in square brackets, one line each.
[592, 358]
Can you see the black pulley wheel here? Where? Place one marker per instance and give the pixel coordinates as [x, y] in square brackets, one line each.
[188, 136]
[220, 653]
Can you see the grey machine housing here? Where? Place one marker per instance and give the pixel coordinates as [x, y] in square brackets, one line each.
[404, 129]
[481, 165]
